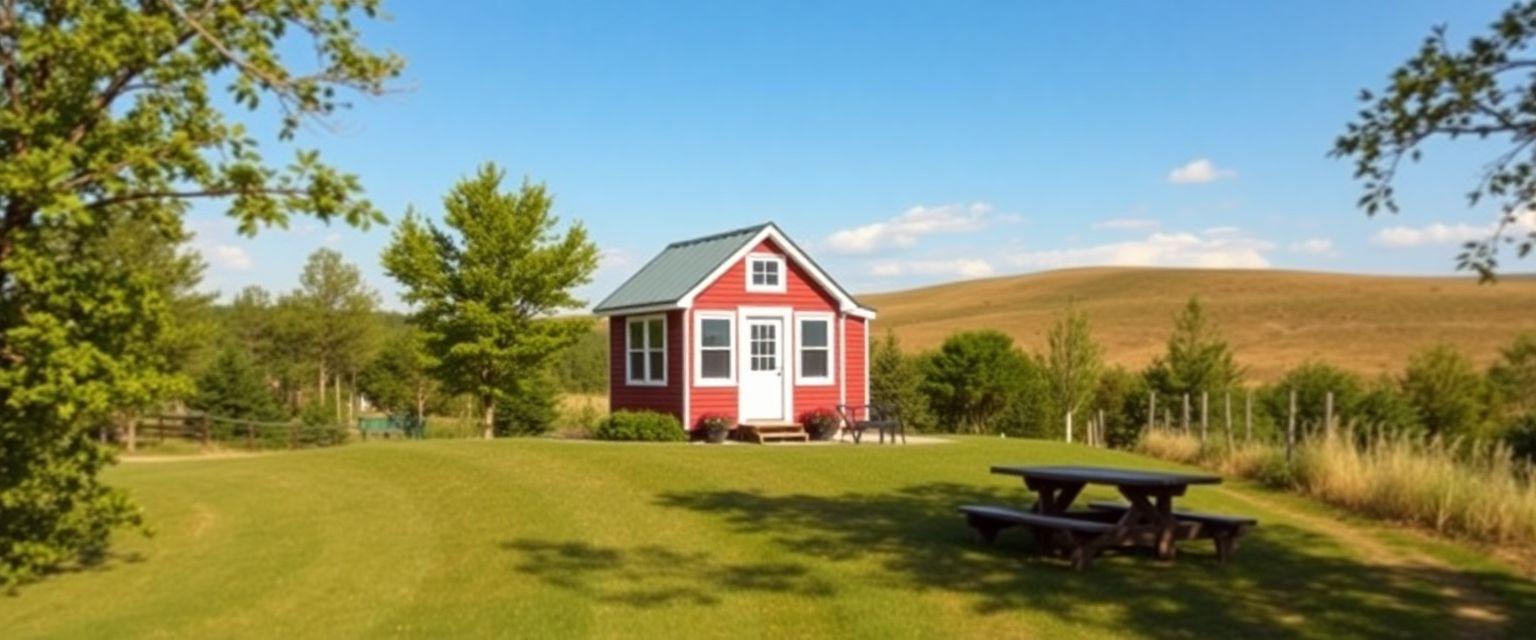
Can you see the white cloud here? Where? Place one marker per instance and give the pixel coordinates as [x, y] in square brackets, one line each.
[332, 238]
[959, 267]
[1313, 246]
[228, 256]
[1441, 233]
[1198, 171]
[613, 259]
[1226, 249]
[903, 231]
[1125, 224]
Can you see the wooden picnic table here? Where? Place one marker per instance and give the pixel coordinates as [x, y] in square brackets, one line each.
[1149, 519]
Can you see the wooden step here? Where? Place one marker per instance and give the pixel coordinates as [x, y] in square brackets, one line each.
[764, 432]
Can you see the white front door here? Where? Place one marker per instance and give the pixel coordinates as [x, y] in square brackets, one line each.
[762, 380]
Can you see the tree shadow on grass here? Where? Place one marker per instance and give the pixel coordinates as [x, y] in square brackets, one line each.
[1285, 581]
[652, 575]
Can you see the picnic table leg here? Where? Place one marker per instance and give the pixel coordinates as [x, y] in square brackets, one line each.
[1155, 518]
[1055, 497]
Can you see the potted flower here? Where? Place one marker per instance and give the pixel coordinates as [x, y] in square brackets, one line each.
[716, 426]
[820, 423]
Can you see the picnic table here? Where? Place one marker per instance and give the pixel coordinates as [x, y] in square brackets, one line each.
[1147, 519]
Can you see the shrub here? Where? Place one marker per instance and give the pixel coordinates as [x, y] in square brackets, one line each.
[1521, 438]
[1312, 382]
[1446, 391]
[648, 426]
[896, 378]
[972, 378]
[318, 426]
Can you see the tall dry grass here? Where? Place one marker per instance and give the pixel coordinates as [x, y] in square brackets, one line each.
[1474, 491]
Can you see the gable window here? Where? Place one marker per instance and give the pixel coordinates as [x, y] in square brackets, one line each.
[714, 353]
[765, 273]
[646, 351]
[814, 335]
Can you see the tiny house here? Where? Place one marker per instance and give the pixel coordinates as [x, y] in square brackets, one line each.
[741, 323]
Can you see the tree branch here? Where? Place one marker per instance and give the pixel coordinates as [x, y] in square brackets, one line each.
[183, 195]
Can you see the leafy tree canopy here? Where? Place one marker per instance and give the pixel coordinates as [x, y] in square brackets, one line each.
[1198, 358]
[1484, 90]
[487, 285]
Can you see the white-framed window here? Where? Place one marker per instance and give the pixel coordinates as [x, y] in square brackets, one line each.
[765, 273]
[714, 348]
[645, 351]
[813, 349]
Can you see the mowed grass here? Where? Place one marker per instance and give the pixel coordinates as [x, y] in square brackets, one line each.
[1274, 319]
[546, 538]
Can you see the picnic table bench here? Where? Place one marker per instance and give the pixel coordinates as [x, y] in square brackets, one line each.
[1146, 520]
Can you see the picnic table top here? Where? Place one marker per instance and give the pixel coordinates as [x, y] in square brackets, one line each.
[1106, 475]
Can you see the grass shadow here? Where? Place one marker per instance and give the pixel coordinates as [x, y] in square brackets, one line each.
[651, 575]
[1285, 581]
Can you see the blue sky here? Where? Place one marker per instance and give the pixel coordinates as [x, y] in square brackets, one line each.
[902, 143]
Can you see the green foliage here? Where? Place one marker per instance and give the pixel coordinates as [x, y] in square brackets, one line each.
[1445, 390]
[583, 366]
[1513, 378]
[399, 379]
[318, 426]
[896, 378]
[333, 313]
[648, 426]
[484, 289]
[1122, 396]
[972, 379]
[1030, 407]
[1521, 438]
[1384, 408]
[1198, 358]
[529, 408]
[1073, 362]
[1482, 91]
[232, 387]
[108, 123]
[1312, 381]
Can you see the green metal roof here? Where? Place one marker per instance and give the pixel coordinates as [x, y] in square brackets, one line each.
[677, 270]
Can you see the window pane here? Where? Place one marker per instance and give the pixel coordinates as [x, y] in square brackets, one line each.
[637, 335]
[655, 329]
[715, 364]
[657, 364]
[813, 363]
[813, 333]
[715, 333]
[637, 365]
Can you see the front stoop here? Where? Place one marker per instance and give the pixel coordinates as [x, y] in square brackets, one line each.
[766, 432]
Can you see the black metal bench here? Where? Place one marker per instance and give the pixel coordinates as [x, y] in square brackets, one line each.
[880, 416]
[1224, 530]
[1076, 536]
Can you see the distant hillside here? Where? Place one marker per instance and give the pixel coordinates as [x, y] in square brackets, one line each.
[1274, 319]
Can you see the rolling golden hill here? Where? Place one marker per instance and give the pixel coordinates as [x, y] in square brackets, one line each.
[1274, 319]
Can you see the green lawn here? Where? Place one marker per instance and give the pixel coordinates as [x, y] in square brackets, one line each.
[539, 538]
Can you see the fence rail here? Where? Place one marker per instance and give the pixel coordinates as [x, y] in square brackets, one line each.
[254, 434]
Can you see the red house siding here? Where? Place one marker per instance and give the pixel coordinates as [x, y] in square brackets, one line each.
[667, 398]
[858, 360]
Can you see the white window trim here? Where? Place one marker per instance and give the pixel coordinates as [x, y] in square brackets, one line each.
[832, 346]
[698, 349]
[629, 348]
[783, 285]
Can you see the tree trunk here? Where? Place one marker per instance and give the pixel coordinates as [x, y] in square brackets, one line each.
[351, 398]
[489, 421]
[336, 391]
[320, 397]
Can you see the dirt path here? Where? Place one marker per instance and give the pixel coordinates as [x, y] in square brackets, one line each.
[194, 457]
[1477, 614]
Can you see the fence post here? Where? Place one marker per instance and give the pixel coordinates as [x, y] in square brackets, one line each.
[1328, 414]
[1069, 427]
[1248, 416]
[1227, 423]
[1184, 420]
[1151, 409]
[1205, 415]
[1290, 429]
[1102, 429]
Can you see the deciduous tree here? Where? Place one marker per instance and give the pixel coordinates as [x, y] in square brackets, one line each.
[106, 111]
[486, 287]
